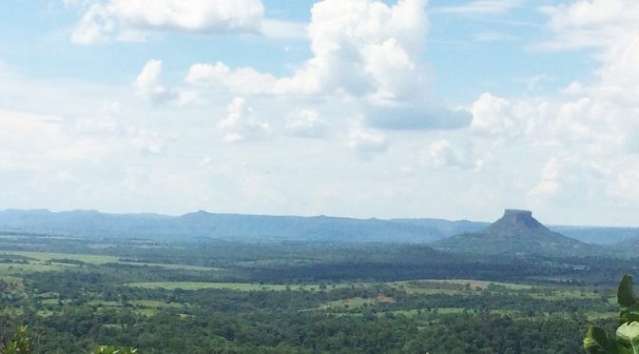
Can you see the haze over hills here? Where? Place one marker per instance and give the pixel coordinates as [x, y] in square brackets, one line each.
[227, 226]
[90, 223]
[517, 233]
[600, 235]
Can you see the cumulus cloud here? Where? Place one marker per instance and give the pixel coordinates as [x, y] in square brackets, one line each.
[500, 118]
[593, 23]
[119, 18]
[243, 81]
[443, 153]
[363, 50]
[367, 143]
[287, 30]
[416, 116]
[359, 47]
[567, 180]
[482, 7]
[19, 129]
[241, 124]
[28, 139]
[306, 123]
[149, 83]
[585, 139]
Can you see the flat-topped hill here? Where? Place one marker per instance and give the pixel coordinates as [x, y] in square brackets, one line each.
[517, 232]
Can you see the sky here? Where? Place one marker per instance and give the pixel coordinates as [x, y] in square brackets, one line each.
[362, 108]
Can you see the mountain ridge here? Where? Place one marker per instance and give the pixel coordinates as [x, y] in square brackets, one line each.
[93, 223]
[217, 225]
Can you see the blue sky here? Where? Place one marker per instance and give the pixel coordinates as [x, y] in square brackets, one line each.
[34, 30]
[364, 108]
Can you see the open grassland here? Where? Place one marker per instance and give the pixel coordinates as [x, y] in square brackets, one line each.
[13, 282]
[245, 286]
[453, 286]
[358, 303]
[565, 294]
[31, 267]
[50, 262]
[52, 257]
[172, 266]
[472, 284]
[225, 286]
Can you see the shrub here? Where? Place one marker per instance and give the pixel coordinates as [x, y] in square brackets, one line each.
[626, 340]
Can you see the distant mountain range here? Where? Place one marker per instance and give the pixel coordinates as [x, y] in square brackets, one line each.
[263, 227]
[229, 226]
[517, 233]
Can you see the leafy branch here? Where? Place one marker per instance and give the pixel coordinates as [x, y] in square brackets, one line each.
[626, 339]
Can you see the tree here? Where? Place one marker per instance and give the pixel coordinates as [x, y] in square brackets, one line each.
[626, 340]
[114, 350]
[20, 344]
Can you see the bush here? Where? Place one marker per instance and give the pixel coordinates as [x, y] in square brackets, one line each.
[626, 340]
[21, 344]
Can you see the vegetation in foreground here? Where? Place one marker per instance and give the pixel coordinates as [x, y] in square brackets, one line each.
[626, 340]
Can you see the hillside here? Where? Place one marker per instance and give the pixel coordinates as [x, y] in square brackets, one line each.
[627, 248]
[444, 227]
[517, 233]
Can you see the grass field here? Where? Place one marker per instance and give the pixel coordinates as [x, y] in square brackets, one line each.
[479, 284]
[141, 307]
[17, 269]
[357, 302]
[566, 294]
[48, 262]
[173, 266]
[48, 257]
[226, 286]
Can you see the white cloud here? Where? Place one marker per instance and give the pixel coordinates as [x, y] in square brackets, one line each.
[74, 3]
[240, 123]
[146, 141]
[415, 116]
[576, 153]
[243, 81]
[368, 143]
[591, 23]
[28, 132]
[585, 141]
[482, 7]
[360, 47]
[499, 118]
[149, 83]
[362, 50]
[306, 123]
[363, 47]
[116, 18]
[567, 180]
[279, 29]
[28, 138]
[442, 153]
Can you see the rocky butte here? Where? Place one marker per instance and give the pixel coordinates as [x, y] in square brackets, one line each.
[517, 232]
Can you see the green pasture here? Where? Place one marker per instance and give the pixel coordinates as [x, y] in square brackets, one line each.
[225, 286]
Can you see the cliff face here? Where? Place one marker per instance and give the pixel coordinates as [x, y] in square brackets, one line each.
[518, 223]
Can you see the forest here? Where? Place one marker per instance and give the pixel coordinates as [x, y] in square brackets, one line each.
[81, 295]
